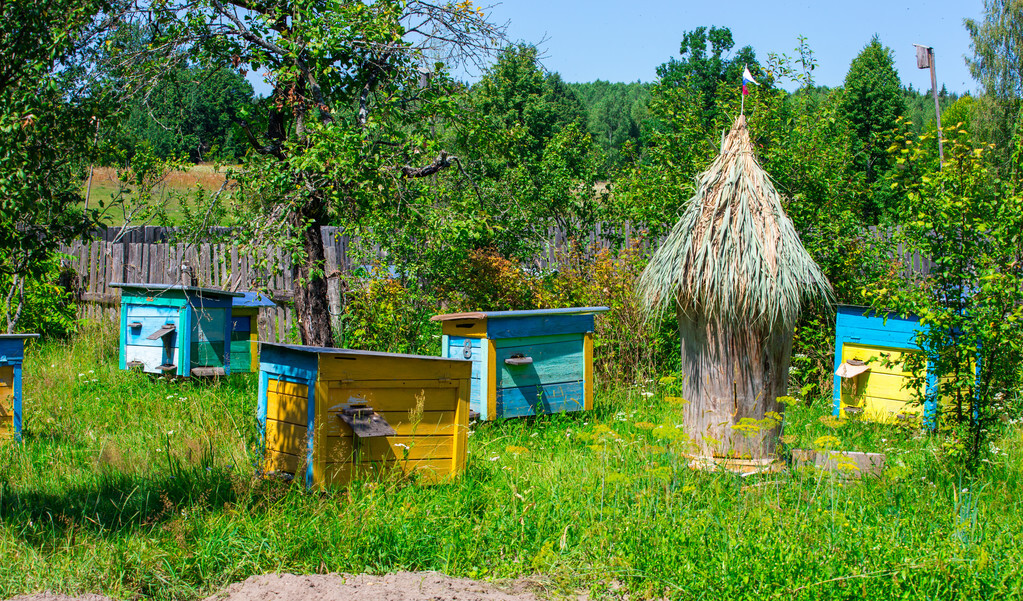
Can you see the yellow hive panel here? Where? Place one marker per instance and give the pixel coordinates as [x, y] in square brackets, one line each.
[285, 437]
[428, 470]
[287, 408]
[6, 390]
[396, 396]
[384, 449]
[290, 388]
[470, 328]
[344, 366]
[430, 423]
[881, 360]
[275, 461]
[885, 391]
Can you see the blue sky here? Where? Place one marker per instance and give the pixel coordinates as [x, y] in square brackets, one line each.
[616, 40]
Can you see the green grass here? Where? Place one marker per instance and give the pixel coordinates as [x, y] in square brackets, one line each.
[133, 487]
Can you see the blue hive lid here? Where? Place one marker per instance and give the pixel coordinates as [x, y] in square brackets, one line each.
[253, 299]
[320, 350]
[524, 313]
[177, 287]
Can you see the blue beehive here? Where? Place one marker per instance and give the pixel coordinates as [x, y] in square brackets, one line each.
[12, 354]
[245, 330]
[524, 362]
[871, 378]
[175, 330]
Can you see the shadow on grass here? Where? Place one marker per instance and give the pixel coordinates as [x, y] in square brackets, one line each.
[114, 503]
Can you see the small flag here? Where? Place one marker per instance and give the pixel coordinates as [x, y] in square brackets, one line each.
[747, 77]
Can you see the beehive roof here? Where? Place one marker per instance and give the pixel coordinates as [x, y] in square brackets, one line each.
[734, 255]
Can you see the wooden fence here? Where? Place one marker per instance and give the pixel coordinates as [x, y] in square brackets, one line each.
[152, 255]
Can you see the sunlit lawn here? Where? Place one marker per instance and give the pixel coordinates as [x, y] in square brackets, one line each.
[131, 486]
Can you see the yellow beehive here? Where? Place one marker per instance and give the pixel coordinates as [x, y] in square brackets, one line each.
[871, 377]
[308, 395]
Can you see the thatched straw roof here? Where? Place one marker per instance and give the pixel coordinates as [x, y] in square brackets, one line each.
[734, 255]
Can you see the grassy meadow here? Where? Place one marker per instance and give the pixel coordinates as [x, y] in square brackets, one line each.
[130, 486]
[169, 193]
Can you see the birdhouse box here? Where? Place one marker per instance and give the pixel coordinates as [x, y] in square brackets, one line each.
[245, 330]
[12, 355]
[176, 330]
[871, 377]
[328, 415]
[524, 362]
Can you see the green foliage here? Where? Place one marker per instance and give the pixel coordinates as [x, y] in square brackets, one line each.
[997, 49]
[529, 144]
[873, 104]
[193, 113]
[43, 303]
[351, 126]
[384, 314]
[704, 71]
[155, 497]
[616, 114]
[920, 108]
[997, 43]
[970, 223]
[46, 128]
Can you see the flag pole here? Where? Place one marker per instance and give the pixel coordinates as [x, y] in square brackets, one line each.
[742, 92]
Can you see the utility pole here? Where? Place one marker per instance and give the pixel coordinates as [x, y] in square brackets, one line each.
[925, 59]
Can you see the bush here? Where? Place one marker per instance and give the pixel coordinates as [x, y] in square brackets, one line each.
[44, 305]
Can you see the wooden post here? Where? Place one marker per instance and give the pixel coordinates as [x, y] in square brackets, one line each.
[732, 372]
[925, 60]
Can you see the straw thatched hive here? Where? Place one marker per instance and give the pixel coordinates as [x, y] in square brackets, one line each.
[738, 273]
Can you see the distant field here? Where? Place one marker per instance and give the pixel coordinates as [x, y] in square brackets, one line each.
[105, 186]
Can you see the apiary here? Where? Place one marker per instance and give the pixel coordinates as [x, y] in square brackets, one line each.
[328, 415]
[12, 355]
[524, 362]
[176, 330]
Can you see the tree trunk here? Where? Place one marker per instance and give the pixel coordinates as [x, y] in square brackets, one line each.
[310, 284]
[732, 372]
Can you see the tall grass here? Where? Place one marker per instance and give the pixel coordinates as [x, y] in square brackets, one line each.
[131, 486]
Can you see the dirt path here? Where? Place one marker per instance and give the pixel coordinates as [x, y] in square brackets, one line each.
[401, 586]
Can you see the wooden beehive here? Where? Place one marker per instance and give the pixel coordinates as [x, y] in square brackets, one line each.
[524, 362]
[12, 355]
[871, 379]
[175, 330]
[307, 395]
[245, 330]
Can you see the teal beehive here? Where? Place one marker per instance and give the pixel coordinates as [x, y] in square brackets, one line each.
[524, 362]
[175, 330]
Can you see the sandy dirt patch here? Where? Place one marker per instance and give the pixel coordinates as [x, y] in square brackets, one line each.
[400, 586]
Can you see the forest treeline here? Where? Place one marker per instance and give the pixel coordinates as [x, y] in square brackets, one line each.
[195, 114]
